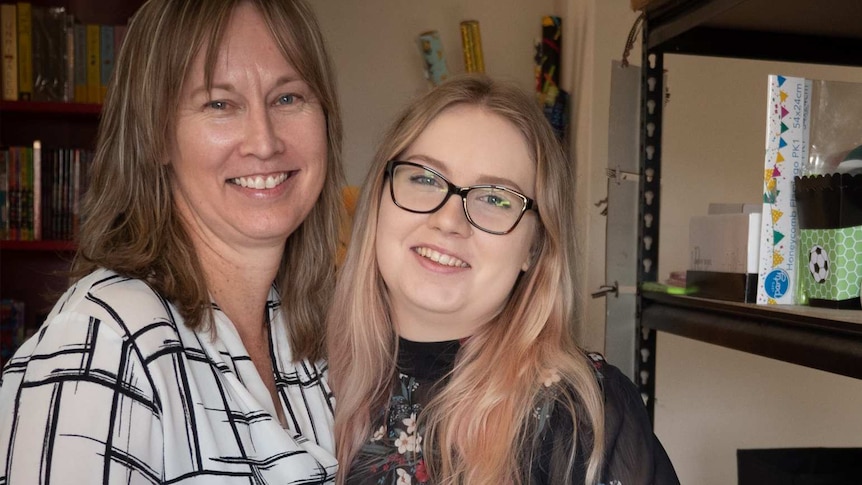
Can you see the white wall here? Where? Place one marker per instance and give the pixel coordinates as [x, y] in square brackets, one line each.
[373, 44]
[710, 400]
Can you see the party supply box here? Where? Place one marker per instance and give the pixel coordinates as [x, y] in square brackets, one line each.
[787, 135]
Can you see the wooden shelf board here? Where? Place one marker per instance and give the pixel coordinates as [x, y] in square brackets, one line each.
[51, 107]
[60, 246]
[820, 338]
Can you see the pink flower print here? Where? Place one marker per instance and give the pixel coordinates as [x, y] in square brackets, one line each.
[378, 435]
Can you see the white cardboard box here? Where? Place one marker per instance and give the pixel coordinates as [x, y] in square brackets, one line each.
[787, 136]
[727, 243]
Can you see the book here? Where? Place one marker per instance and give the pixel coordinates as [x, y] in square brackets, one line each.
[12, 194]
[79, 62]
[25, 51]
[9, 50]
[69, 31]
[25, 185]
[106, 54]
[4, 188]
[94, 80]
[119, 37]
[49, 53]
[36, 155]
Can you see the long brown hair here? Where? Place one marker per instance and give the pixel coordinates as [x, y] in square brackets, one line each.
[130, 224]
[478, 427]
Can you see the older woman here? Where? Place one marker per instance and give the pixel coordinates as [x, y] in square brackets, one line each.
[450, 351]
[189, 348]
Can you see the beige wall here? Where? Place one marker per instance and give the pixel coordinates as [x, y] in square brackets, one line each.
[710, 400]
[379, 66]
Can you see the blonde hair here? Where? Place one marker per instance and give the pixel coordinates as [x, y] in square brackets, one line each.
[480, 425]
[130, 224]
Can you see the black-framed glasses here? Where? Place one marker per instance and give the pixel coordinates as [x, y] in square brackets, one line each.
[491, 208]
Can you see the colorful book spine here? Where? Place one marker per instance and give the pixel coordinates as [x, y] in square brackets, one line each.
[9, 50]
[25, 51]
[94, 80]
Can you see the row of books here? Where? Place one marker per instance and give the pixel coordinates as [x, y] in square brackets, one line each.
[12, 327]
[48, 56]
[40, 192]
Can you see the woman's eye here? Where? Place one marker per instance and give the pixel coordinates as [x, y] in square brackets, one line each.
[219, 105]
[287, 99]
[424, 180]
[497, 201]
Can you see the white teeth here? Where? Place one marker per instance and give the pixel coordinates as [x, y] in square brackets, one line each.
[443, 259]
[259, 181]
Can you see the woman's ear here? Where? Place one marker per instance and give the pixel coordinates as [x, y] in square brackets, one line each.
[535, 249]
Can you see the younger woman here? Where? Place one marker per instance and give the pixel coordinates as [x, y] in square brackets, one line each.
[450, 349]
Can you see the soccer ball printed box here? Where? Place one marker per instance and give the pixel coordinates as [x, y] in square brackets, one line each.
[830, 239]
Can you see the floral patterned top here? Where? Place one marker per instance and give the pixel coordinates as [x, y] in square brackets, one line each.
[393, 455]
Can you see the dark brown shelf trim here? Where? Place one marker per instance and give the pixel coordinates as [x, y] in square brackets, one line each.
[50, 107]
[825, 339]
[60, 246]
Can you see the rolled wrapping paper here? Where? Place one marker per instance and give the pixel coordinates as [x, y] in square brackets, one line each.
[432, 53]
[471, 43]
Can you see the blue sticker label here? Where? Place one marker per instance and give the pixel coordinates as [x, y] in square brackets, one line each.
[777, 283]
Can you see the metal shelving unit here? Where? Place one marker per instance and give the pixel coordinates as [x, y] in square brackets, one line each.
[823, 32]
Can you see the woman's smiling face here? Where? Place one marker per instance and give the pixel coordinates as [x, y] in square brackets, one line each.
[445, 277]
[249, 156]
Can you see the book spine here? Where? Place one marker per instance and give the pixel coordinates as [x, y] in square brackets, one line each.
[37, 191]
[9, 50]
[14, 195]
[69, 84]
[106, 52]
[80, 62]
[119, 37]
[49, 53]
[93, 63]
[47, 193]
[76, 190]
[25, 52]
[26, 192]
[4, 190]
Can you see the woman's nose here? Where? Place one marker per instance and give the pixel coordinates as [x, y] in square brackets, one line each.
[451, 218]
[262, 140]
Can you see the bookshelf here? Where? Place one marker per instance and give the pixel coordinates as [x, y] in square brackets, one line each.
[828, 33]
[35, 272]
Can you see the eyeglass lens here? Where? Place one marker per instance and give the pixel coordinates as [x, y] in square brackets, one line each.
[493, 209]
